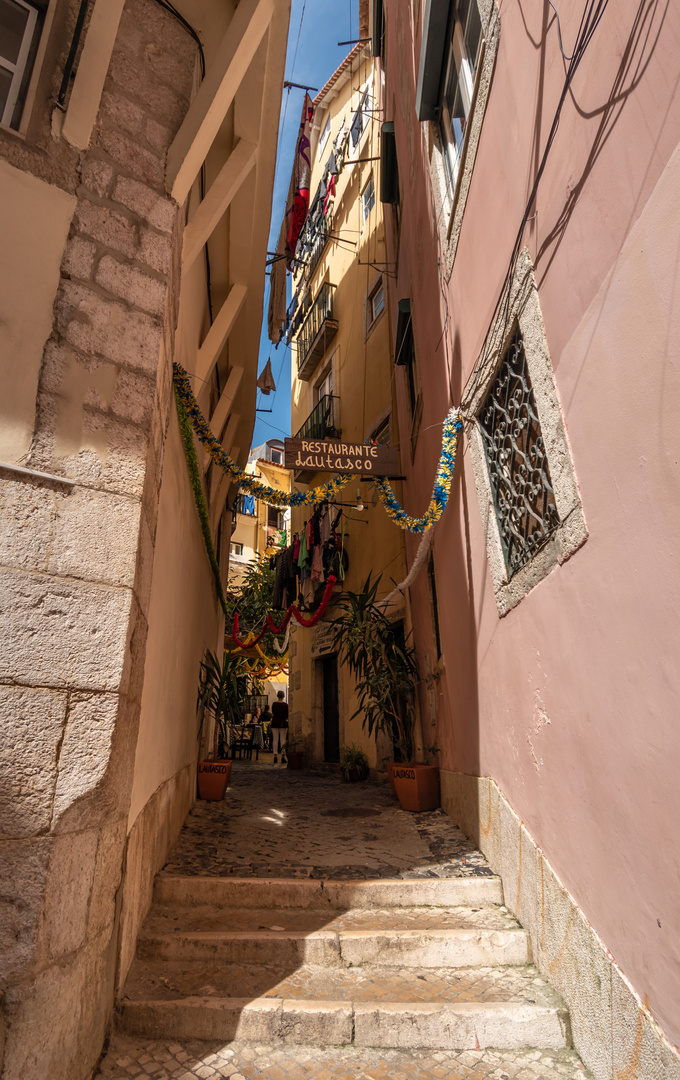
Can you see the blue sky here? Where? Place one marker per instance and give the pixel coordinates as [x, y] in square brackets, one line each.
[311, 61]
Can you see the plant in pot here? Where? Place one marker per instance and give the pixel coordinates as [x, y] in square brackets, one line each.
[354, 763]
[221, 692]
[293, 752]
[386, 675]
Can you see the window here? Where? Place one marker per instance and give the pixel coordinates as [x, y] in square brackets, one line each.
[325, 386]
[530, 504]
[367, 199]
[360, 119]
[405, 355]
[276, 456]
[274, 518]
[19, 32]
[377, 301]
[460, 64]
[235, 548]
[325, 133]
[517, 460]
[382, 433]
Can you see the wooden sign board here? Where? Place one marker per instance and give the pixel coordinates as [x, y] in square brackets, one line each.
[334, 456]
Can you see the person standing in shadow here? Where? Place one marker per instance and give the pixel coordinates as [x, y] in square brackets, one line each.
[279, 727]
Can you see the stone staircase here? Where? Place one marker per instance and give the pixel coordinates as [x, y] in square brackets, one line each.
[435, 967]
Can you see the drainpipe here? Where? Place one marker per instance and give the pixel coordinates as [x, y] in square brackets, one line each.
[71, 58]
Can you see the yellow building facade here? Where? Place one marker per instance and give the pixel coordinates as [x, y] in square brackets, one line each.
[342, 386]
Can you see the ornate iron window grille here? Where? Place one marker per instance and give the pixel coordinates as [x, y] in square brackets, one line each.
[518, 464]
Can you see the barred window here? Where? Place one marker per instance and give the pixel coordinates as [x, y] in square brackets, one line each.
[517, 461]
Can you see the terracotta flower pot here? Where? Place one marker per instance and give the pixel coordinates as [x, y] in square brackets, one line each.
[294, 759]
[213, 779]
[389, 765]
[417, 786]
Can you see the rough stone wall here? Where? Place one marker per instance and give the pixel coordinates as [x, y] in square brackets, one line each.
[75, 567]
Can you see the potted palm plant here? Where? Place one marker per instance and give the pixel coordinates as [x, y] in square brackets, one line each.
[386, 675]
[221, 692]
[354, 763]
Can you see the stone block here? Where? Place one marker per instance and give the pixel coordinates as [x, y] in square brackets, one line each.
[157, 210]
[158, 135]
[172, 66]
[80, 258]
[90, 447]
[23, 869]
[96, 176]
[63, 927]
[104, 327]
[107, 876]
[146, 21]
[320, 1023]
[32, 723]
[132, 158]
[107, 227]
[133, 398]
[86, 751]
[639, 1047]
[62, 633]
[156, 251]
[27, 516]
[139, 81]
[122, 113]
[95, 537]
[56, 1024]
[133, 285]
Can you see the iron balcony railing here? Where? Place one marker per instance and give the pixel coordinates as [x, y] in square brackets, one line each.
[312, 338]
[322, 421]
[318, 241]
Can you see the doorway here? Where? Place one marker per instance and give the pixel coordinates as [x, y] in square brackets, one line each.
[331, 711]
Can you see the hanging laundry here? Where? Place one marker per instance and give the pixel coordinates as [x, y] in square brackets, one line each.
[330, 193]
[276, 313]
[298, 194]
[266, 383]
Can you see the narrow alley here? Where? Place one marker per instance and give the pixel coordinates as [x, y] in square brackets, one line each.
[305, 929]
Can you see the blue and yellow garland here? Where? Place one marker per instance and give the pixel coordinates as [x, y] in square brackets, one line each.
[453, 425]
[245, 481]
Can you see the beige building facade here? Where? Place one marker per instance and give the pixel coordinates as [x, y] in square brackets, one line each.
[136, 172]
[342, 386]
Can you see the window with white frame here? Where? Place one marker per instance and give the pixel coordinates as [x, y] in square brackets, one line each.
[276, 455]
[236, 548]
[324, 387]
[367, 199]
[325, 133]
[20, 24]
[464, 42]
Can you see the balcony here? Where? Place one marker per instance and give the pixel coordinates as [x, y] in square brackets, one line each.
[321, 423]
[318, 241]
[316, 332]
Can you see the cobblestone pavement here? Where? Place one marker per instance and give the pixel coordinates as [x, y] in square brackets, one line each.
[276, 822]
[181, 979]
[211, 1061]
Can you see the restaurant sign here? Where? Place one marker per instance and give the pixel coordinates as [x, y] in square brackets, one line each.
[333, 456]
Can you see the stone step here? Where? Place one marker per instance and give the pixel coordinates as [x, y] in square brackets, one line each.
[274, 893]
[163, 1060]
[424, 1008]
[398, 937]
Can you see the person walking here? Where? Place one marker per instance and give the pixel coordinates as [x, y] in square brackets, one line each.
[279, 727]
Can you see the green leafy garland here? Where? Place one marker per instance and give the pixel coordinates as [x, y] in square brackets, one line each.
[186, 433]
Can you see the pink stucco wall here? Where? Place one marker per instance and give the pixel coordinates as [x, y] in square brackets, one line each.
[570, 702]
